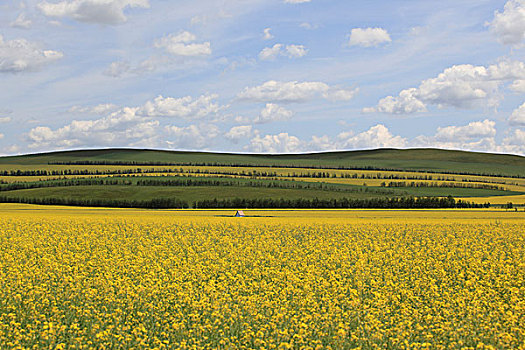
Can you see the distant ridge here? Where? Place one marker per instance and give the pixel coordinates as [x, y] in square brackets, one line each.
[420, 159]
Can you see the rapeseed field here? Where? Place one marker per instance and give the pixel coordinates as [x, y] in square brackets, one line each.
[102, 280]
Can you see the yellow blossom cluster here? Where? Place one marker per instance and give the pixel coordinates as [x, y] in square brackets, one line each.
[102, 282]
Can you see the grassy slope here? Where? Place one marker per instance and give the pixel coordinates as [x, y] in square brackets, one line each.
[412, 159]
[184, 193]
[190, 194]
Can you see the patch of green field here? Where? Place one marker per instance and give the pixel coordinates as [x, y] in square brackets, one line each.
[199, 193]
[188, 194]
[410, 160]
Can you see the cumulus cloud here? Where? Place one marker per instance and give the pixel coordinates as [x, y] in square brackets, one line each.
[280, 143]
[377, 136]
[184, 107]
[193, 136]
[475, 136]
[290, 51]
[21, 22]
[293, 91]
[266, 34]
[518, 116]
[515, 143]
[407, 102]
[241, 132]
[460, 86]
[109, 12]
[20, 55]
[270, 53]
[296, 51]
[368, 37]
[126, 126]
[473, 130]
[183, 44]
[509, 25]
[273, 112]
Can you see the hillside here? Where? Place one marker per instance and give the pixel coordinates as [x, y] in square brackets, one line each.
[171, 179]
[425, 160]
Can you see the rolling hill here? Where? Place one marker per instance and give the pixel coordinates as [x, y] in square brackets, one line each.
[423, 160]
[158, 178]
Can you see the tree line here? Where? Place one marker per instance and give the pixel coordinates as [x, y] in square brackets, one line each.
[186, 182]
[285, 166]
[443, 185]
[344, 203]
[259, 203]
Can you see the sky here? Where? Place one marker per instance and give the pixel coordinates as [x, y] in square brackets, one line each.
[265, 76]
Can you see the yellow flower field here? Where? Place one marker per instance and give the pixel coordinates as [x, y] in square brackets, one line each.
[93, 278]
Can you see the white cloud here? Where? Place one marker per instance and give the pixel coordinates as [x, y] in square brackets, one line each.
[474, 130]
[515, 143]
[117, 69]
[266, 34]
[130, 126]
[182, 44]
[184, 107]
[237, 133]
[193, 136]
[290, 51]
[1, 136]
[270, 53]
[377, 136]
[122, 127]
[21, 22]
[296, 1]
[461, 86]
[475, 136]
[405, 103]
[20, 55]
[293, 91]
[296, 51]
[100, 109]
[518, 116]
[5, 120]
[509, 25]
[368, 37]
[272, 113]
[280, 143]
[91, 11]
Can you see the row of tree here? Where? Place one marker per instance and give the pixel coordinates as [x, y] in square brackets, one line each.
[187, 181]
[385, 203]
[443, 185]
[267, 203]
[245, 165]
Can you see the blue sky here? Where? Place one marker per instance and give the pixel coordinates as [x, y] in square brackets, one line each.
[268, 76]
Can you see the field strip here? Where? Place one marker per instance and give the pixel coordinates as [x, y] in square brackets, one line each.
[292, 215]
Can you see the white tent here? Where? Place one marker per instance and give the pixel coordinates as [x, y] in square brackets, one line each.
[239, 214]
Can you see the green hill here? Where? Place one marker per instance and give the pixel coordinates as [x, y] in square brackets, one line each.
[428, 160]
